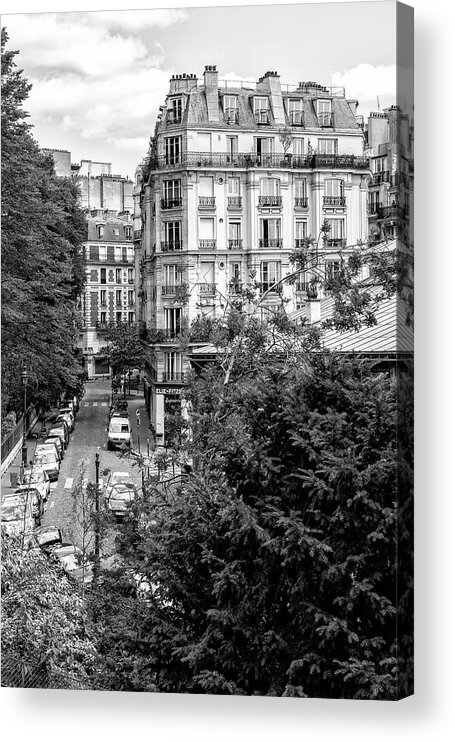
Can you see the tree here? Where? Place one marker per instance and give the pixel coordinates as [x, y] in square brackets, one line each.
[42, 265]
[44, 624]
[125, 350]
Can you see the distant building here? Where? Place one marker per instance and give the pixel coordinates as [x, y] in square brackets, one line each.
[238, 175]
[62, 161]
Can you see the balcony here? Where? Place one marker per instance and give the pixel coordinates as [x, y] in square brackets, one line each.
[271, 201]
[326, 120]
[336, 242]
[334, 201]
[174, 246]
[301, 286]
[390, 212]
[207, 202]
[248, 160]
[207, 244]
[208, 289]
[262, 116]
[173, 376]
[235, 244]
[171, 288]
[171, 203]
[234, 202]
[276, 242]
[137, 234]
[231, 116]
[296, 118]
[382, 177]
[301, 202]
[300, 242]
[102, 326]
[373, 208]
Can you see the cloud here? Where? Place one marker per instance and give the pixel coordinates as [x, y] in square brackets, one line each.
[126, 21]
[366, 81]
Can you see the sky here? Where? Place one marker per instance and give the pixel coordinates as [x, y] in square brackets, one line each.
[99, 77]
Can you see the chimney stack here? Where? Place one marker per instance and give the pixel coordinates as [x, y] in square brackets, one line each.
[211, 92]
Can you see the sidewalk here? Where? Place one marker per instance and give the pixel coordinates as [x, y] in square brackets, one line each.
[13, 471]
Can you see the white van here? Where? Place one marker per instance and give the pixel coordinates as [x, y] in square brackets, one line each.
[119, 433]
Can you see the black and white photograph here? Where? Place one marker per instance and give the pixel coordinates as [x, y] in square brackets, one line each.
[208, 351]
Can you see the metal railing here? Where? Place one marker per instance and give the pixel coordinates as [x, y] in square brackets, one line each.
[301, 202]
[207, 244]
[270, 242]
[270, 200]
[262, 116]
[388, 212]
[173, 118]
[207, 202]
[382, 177]
[334, 201]
[300, 242]
[173, 246]
[234, 202]
[231, 116]
[172, 288]
[207, 288]
[336, 242]
[173, 376]
[296, 118]
[13, 438]
[235, 244]
[171, 203]
[326, 119]
[248, 160]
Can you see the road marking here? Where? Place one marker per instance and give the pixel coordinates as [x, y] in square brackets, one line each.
[69, 483]
[53, 485]
[52, 504]
[86, 404]
[103, 404]
[95, 404]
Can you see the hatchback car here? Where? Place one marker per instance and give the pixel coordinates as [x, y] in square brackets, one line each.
[117, 477]
[68, 416]
[120, 497]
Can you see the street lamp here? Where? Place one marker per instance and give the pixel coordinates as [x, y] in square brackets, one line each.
[24, 379]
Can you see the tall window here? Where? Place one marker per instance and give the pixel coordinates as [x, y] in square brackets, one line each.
[172, 194]
[332, 269]
[102, 252]
[270, 192]
[264, 150]
[235, 276]
[103, 297]
[232, 146]
[231, 112]
[130, 318]
[207, 283]
[118, 317]
[103, 318]
[334, 192]
[130, 275]
[130, 298]
[261, 109]
[172, 275]
[127, 233]
[172, 320]
[327, 146]
[270, 273]
[324, 112]
[301, 198]
[118, 298]
[270, 231]
[173, 366]
[118, 275]
[234, 235]
[103, 275]
[100, 231]
[300, 232]
[172, 235]
[298, 146]
[172, 150]
[234, 198]
[174, 114]
[295, 111]
[335, 236]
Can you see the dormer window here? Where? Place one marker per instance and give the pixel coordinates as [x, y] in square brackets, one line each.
[261, 110]
[128, 233]
[174, 113]
[100, 231]
[324, 112]
[231, 110]
[295, 111]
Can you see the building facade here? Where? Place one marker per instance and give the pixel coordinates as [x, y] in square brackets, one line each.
[109, 295]
[238, 175]
[390, 199]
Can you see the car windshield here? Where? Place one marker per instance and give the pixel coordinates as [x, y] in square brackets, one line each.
[12, 512]
[123, 492]
[45, 457]
[52, 441]
[57, 431]
[120, 476]
[119, 427]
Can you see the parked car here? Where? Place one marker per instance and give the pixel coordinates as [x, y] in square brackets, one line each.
[117, 477]
[66, 414]
[57, 443]
[120, 497]
[119, 407]
[47, 458]
[119, 433]
[32, 494]
[72, 559]
[48, 536]
[65, 418]
[18, 515]
[61, 431]
[38, 478]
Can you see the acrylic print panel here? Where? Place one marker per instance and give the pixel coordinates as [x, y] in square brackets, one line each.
[208, 352]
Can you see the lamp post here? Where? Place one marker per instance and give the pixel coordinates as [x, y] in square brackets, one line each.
[24, 378]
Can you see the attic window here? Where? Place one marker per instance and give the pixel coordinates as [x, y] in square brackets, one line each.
[324, 112]
[100, 230]
[231, 111]
[261, 110]
[174, 113]
[295, 111]
[116, 232]
[128, 233]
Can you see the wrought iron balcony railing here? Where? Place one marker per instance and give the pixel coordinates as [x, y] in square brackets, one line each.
[391, 212]
[235, 244]
[173, 117]
[382, 177]
[270, 201]
[262, 116]
[336, 242]
[173, 376]
[234, 202]
[270, 242]
[207, 288]
[171, 203]
[334, 201]
[301, 202]
[300, 242]
[231, 116]
[248, 160]
[171, 288]
[301, 286]
[372, 208]
[172, 246]
[207, 202]
[207, 244]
